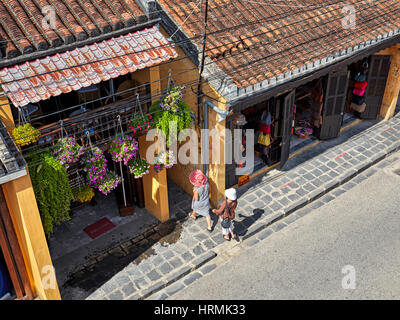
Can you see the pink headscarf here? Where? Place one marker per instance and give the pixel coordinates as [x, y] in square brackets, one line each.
[197, 178]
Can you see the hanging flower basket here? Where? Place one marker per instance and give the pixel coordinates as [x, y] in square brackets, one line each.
[67, 151]
[173, 97]
[83, 193]
[138, 167]
[164, 160]
[95, 165]
[94, 157]
[25, 134]
[108, 183]
[140, 122]
[172, 109]
[123, 149]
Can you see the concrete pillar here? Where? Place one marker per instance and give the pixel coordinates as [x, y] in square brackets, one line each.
[392, 89]
[154, 186]
[155, 83]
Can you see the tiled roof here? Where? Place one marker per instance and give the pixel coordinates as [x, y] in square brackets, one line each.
[12, 164]
[53, 75]
[23, 31]
[259, 41]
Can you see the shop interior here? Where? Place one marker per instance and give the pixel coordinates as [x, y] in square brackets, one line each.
[266, 118]
[6, 289]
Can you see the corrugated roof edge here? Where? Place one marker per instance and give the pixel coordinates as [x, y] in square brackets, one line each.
[14, 157]
[233, 93]
[4, 63]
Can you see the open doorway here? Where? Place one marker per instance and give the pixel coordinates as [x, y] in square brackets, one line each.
[6, 288]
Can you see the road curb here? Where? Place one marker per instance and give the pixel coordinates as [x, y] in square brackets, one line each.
[250, 237]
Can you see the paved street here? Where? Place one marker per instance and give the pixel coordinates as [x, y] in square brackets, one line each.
[305, 259]
[314, 178]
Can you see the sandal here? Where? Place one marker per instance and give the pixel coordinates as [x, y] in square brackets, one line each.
[210, 230]
[190, 215]
[227, 239]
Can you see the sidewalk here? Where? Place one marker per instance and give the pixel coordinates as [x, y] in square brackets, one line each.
[325, 168]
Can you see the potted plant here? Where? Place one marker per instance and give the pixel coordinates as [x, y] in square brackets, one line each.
[123, 149]
[67, 151]
[83, 193]
[140, 122]
[138, 167]
[164, 160]
[25, 135]
[95, 165]
[172, 109]
[109, 182]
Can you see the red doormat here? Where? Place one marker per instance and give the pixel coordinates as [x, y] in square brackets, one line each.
[98, 228]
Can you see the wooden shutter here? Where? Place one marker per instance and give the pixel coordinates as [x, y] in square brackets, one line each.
[288, 104]
[377, 76]
[334, 104]
[230, 169]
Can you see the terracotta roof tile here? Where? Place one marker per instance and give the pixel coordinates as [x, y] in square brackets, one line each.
[22, 30]
[64, 72]
[282, 36]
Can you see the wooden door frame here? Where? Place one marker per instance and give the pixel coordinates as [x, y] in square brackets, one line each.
[370, 62]
[286, 134]
[12, 253]
[325, 108]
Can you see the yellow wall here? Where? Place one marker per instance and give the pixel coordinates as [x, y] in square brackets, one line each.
[154, 186]
[184, 71]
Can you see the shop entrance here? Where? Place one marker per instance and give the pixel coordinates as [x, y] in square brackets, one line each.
[6, 289]
[314, 111]
[272, 122]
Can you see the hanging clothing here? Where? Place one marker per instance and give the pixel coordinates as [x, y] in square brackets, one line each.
[266, 118]
[359, 92]
[360, 85]
[264, 139]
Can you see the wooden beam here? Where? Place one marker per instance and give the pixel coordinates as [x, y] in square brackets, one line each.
[392, 89]
[15, 248]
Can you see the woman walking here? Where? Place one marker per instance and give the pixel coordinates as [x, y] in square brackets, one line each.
[227, 214]
[200, 202]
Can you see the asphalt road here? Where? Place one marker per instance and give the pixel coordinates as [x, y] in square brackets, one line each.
[356, 237]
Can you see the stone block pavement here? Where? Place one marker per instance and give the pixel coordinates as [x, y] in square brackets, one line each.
[263, 204]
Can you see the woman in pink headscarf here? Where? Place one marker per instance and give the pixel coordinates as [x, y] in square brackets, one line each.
[201, 201]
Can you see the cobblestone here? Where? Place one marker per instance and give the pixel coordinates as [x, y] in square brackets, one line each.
[297, 192]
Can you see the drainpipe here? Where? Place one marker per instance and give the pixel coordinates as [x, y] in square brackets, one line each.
[221, 117]
[221, 113]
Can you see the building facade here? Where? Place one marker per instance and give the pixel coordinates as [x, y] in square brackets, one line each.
[292, 74]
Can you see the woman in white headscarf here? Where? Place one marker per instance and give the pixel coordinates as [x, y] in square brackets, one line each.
[226, 212]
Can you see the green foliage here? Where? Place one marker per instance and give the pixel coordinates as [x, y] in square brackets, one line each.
[51, 186]
[182, 118]
[83, 193]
